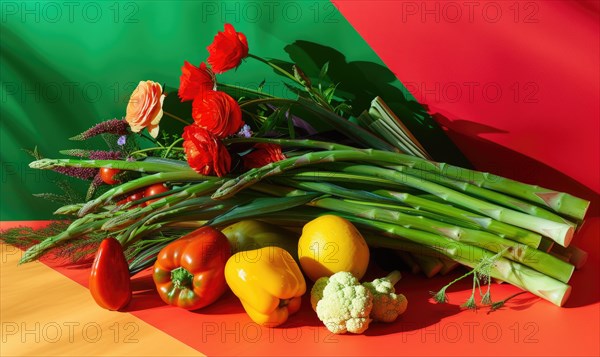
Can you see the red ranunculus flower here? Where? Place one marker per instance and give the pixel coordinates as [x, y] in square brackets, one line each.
[218, 113]
[195, 81]
[228, 50]
[263, 154]
[205, 153]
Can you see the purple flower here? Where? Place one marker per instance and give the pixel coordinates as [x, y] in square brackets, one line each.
[113, 126]
[245, 132]
[122, 140]
[104, 155]
[83, 173]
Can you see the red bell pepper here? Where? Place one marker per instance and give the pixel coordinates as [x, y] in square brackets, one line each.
[190, 272]
[109, 279]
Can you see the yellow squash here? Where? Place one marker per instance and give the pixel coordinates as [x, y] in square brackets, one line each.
[268, 282]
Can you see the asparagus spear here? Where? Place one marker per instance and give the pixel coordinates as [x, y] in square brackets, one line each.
[477, 191]
[514, 273]
[141, 166]
[430, 266]
[559, 232]
[559, 202]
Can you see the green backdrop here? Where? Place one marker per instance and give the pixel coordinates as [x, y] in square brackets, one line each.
[68, 65]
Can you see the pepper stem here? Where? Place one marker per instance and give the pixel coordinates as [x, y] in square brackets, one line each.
[394, 277]
[181, 278]
[283, 302]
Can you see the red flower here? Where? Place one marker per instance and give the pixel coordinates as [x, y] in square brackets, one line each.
[218, 113]
[262, 155]
[228, 50]
[195, 81]
[205, 153]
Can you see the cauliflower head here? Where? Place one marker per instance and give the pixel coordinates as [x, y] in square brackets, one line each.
[345, 305]
[387, 305]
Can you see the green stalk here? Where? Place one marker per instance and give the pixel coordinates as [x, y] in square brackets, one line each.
[502, 229]
[134, 214]
[75, 230]
[503, 269]
[423, 207]
[429, 265]
[561, 233]
[235, 90]
[512, 250]
[489, 195]
[141, 166]
[365, 197]
[514, 273]
[533, 258]
[136, 184]
[559, 202]
[300, 143]
[385, 235]
[316, 174]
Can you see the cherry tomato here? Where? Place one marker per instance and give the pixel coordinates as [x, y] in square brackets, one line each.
[108, 175]
[136, 196]
[133, 197]
[154, 190]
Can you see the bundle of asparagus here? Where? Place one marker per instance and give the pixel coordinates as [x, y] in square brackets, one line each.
[438, 215]
[398, 199]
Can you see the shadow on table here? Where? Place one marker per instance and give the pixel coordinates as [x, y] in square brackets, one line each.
[144, 294]
[489, 156]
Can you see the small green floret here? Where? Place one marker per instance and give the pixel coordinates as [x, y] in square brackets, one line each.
[342, 303]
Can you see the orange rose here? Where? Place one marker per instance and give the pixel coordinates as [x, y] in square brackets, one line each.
[144, 109]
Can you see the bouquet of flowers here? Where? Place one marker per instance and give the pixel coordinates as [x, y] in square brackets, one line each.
[241, 153]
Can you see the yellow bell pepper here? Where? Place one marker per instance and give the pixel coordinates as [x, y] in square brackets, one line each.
[268, 282]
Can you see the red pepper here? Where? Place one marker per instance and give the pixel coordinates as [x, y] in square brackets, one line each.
[190, 272]
[109, 279]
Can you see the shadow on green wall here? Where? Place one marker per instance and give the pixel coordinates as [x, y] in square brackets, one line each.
[362, 81]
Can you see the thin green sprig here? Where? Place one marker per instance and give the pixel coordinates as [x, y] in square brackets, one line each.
[481, 272]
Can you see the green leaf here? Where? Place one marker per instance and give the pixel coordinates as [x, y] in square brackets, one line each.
[343, 108]
[261, 206]
[362, 136]
[329, 93]
[324, 70]
[291, 131]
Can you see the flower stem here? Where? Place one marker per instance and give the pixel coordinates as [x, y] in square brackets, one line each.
[245, 89]
[275, 67]
[172, 147]
[153, 149]
[176, 117]
[305, 143]
[268, 100]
